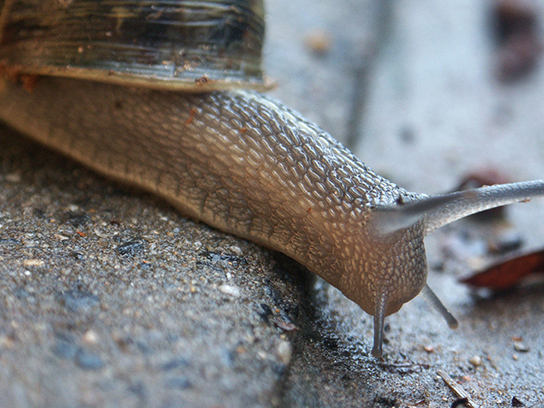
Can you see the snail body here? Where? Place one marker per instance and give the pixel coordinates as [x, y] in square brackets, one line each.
[235, 159]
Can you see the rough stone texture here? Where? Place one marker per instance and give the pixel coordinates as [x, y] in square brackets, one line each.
[110, 298]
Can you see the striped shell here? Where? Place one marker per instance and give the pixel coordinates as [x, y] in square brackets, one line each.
[170, 44]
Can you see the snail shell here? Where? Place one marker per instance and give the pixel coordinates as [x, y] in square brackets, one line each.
[186, 45]
[235, 159]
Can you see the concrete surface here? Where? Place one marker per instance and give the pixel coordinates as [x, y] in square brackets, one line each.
[114, 300]
[110, 298]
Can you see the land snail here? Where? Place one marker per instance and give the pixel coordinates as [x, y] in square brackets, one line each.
[155, 94]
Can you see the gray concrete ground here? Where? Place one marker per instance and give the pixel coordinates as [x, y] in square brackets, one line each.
[110, 298]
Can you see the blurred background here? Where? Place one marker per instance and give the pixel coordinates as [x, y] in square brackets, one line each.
[436, 88]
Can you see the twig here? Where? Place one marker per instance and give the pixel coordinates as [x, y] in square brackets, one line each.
[457, 389]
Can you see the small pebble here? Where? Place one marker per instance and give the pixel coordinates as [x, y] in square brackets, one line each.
[428, 349]
[516, 402]
[73, 208]
[519, 346]
[285, 324]
[13, 177]
[236, 250]
[90, 337]
[285, 351]
[230, 290]
[476, 361]
[33, 262]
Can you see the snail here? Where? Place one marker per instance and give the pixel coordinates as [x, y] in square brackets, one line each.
[165, 95]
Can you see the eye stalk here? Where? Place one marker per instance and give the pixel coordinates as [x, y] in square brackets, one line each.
[433, 300]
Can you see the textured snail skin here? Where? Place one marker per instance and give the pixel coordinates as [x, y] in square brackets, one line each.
[240, 162]
[247, 165]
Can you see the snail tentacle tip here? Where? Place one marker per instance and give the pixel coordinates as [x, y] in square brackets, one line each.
[435, 302]
[379, 318]
[377, 350]
[446, 208]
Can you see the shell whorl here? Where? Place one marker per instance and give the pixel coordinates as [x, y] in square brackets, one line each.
[195, 46]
